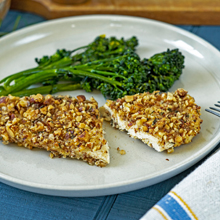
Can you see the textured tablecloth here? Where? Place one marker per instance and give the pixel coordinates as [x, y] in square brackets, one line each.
[18, 204]
[197, 197]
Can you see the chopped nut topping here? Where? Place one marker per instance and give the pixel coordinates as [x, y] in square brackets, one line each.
[122, 152]
[81, 98]
[129, 98]
[172, 118]
[170, 150]
[63, 125]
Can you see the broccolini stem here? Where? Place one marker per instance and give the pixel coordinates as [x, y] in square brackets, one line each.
[66, 61]
[101, 61]
[105, 73]
[27, 92]
[17, 80]
[119, 50]
[79, 48]
[47, 89]
[30, 80]
[10, 78]
[2, 89]
[65, 87]
[92, 75]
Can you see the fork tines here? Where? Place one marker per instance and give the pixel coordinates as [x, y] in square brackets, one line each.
[215, 109]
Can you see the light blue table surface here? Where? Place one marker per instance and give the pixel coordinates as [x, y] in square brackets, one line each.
[18, 204]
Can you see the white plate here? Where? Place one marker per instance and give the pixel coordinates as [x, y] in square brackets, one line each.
[141, 166]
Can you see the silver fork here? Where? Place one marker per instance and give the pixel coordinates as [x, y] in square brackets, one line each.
[215, 109]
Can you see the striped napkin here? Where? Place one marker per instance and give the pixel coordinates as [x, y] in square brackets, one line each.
[195, 197]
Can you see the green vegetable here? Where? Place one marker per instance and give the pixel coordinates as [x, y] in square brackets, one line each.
[51, 89]
[108, 64]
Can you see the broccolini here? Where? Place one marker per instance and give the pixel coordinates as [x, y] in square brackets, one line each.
[110, 65]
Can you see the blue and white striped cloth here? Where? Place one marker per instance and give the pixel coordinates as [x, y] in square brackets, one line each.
[197, 197]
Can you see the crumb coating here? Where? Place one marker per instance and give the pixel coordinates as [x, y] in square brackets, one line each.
[64, 125]
[172, 118]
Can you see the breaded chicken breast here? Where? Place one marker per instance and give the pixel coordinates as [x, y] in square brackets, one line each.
[65, 126]
[161, 120]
